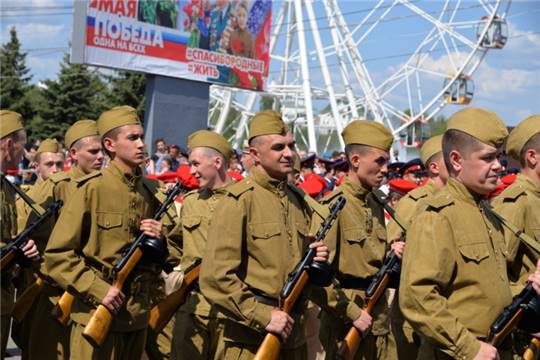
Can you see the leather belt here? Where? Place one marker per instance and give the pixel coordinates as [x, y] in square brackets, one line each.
[355, 283]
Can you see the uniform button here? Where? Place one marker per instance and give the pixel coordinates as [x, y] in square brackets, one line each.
[107, 223]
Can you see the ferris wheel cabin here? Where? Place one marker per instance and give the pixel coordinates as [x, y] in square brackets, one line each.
[497, 34]
[460, 92]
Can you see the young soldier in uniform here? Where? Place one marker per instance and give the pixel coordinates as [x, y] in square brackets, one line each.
[49, 159]
[361, 241]
[406, 209]
[519, 204]
[12, 141]
[103, 216]
[46, 338]
[196, 332]
[258, 234]
[453, 280]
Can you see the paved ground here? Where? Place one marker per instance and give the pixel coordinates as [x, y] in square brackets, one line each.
[13, 351]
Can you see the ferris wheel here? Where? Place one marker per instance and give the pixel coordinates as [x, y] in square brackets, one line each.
[397, 62]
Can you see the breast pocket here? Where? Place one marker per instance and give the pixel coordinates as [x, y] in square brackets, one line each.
[191, 223]
[264, 231]
[475, 253]
[109, 220]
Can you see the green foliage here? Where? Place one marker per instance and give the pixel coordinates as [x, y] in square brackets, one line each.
[437, 126]
[78, 93]
[15, 77]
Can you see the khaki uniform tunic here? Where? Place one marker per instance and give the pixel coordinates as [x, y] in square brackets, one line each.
[8, 221]
[257, 236]
[361, 248]
[453, 279]
[101, 219]
[196, 331]
[520, 205]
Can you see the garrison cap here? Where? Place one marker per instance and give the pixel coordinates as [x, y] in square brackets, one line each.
[368, 133]
[210, 139]
[431, 147]
[296, 162]
[10, 121]
[116, 117]
[49, 145]
[483, 125]
[79, 130]
[267, 122]
[522, 133]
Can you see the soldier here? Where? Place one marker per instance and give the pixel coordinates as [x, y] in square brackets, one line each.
[49, 159]
[102, 217]
[259, 232]
[534, 278]
[519, 204]
[361, 241]
[453, 280]
[46, 338]
[406, 209]
[196, 333]
[12, 140]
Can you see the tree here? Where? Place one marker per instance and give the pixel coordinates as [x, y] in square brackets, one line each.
[78, 93]
[128, 88]
[15, 77]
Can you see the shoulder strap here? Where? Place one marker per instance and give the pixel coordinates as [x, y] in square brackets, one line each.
[27, 199]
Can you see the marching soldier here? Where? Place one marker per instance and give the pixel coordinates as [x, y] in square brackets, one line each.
[259, 232]
[361, 242]
[105, 213]
[196, 333]
[46, 338]
[12, 141]
[453, 280]
[519, 204]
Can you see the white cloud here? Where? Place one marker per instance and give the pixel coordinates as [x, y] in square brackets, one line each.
[501, 83]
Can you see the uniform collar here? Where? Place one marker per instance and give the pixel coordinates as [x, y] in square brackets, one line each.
[129, 179]
[461, 192]
[527, 184]
[76, 173]
[356, 189]
[430, 186]
[276, 186]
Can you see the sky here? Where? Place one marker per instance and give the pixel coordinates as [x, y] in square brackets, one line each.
[507, 81]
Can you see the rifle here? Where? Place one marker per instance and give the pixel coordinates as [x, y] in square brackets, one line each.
[296, 281]
[161, 313]
[62, 309]
[508, 320]
[376, 288]
[99, 324]
[532, 350]
[25, 301]
[13, 250]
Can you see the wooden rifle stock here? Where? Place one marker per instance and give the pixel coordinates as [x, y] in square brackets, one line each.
[350, 344]
[297, 280]
[161, 313]
[98, 327]
[7, 259]
[533, 350]
[62, 309]
[271, 345]
[26, 300]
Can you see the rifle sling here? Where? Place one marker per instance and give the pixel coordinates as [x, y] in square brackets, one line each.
[27, 199]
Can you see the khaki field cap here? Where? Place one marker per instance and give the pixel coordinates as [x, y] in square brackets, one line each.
[370, 133]
[207, 138]
[431, 147]
[79, 130]
[267, 122]
[521, 134]
[116, 117]
[49, 145]
[10, 121]
[484, 125]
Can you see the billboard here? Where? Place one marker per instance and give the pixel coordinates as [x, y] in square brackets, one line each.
[217, 41]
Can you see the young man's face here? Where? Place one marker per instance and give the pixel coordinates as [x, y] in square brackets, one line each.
[160, 145]
[203, 167]
[88, 155]
[49, 164]
[13, 151]
[479, 170]
[371, 167]
[274, 153]
[128, 145]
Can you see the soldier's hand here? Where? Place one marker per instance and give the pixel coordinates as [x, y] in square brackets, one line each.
[487, 352]
[113, 300]
[363, 323]
[173, 281]
[280, 324]
[30, 250]
[534, 278]
[398, 247]
[152, 228]
[321, 251]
